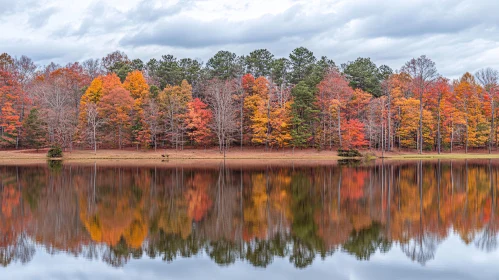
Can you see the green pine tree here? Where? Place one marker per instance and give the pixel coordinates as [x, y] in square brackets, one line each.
[34, 130]
[303, 113]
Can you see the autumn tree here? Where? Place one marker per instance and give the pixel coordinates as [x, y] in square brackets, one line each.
[173, 101]
[353, 134]
[281, 123]
[423, 73]
[439, 92]
[408, 130]
[136, 84]
[99, 87]
[6, 63]
[333, 97]
[488, 78]
[199, 121]
[115, 107]
[396, 88]
[9, 116]
[258, 107]
[469, 97]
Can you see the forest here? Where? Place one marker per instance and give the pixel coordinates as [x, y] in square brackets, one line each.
[254, 100]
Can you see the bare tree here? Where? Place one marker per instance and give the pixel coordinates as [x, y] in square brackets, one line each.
[24, 69]
[221, 99]
[94, 122]
[152, 119]
[488, 78]
[57, 109]
[423, 73]
[92, 68]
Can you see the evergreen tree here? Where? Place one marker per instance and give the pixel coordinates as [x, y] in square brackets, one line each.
[259, 63]
[319, 70]
[303, 113]
[225, 65]
[302, 62]
[364, 74]
[34, 130]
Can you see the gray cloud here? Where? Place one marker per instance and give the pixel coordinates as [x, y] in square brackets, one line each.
[40, 18]
[194, 33]
[418, 18]
[9, 7]
[146, 11]
[457, 34]
[101, 18]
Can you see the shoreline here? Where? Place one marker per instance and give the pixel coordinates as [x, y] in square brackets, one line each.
[249, 154]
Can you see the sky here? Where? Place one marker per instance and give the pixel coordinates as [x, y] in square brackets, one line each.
[453, 260]
[458, 35]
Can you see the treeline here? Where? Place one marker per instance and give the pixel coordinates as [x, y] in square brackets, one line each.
[255, 100]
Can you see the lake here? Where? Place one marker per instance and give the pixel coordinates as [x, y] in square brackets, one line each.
[250, 220]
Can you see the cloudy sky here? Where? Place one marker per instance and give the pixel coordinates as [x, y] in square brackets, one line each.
[459, 35]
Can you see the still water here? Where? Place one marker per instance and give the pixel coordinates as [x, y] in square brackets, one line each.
[380, 220]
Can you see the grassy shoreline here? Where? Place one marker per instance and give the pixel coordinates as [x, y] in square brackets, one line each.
[234, 154]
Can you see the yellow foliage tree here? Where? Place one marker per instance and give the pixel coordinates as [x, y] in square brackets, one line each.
[137, 85]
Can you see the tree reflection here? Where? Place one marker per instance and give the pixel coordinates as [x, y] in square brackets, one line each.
[365, 242]
[254, 214]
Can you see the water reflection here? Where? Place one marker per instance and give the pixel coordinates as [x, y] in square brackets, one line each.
[254, 214]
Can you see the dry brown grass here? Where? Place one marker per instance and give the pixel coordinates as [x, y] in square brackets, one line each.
[170, 154]
[210, 155]
[477, 154]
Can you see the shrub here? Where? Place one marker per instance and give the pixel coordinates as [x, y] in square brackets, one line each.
[349, 153]
[349, 162]
[55, 152]
[55, 165]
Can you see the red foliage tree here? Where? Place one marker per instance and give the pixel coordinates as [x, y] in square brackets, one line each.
[353, 134]
[199, 118]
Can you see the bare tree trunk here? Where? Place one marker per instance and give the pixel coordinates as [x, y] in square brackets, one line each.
[339, 128]
[421, 123]
[242, 120]
[467, 135]
[389, 123]
[491, 139]
[119, 137]
[438, 129]
[94, 139]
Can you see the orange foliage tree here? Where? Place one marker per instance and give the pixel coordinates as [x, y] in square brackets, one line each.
[136, 84]
[9, 115]
[116, 107]
[198, 120]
